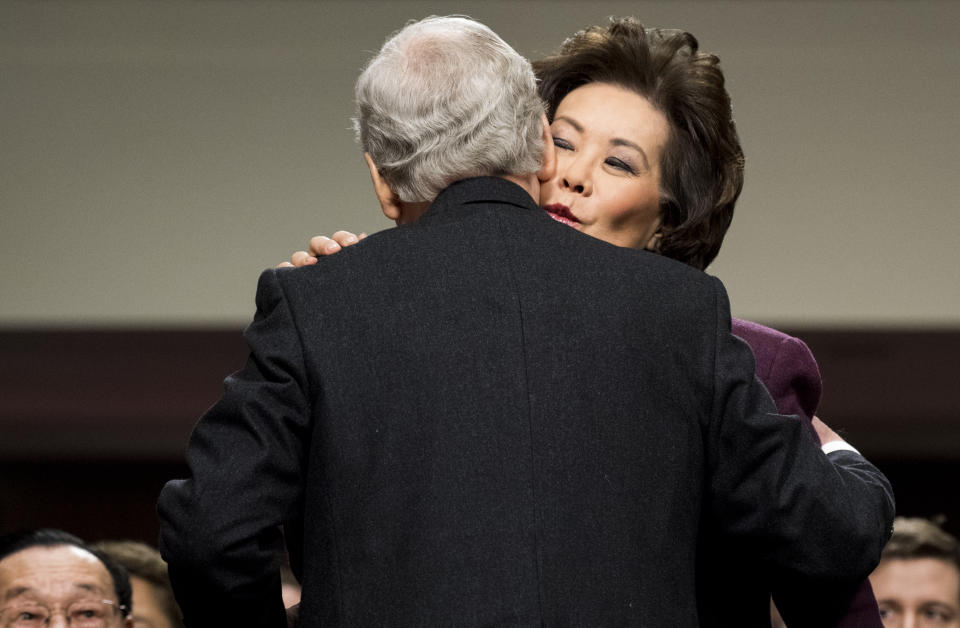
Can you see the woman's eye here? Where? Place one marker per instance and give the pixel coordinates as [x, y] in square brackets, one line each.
[620, 165]
[559, 142]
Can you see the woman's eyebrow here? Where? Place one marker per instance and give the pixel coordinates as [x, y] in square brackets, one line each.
[576, 125]
[618, 141]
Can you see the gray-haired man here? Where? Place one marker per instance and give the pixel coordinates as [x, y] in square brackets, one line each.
[483, 417]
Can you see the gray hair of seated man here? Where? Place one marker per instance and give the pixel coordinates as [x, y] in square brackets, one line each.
[445, 99]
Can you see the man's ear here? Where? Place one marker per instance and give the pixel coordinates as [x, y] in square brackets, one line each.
[389, 203]
[653, 243]
[549, 167]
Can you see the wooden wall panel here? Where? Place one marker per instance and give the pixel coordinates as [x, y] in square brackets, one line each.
[109, 393]
[92, 422]
[896, 393]
[136, 393]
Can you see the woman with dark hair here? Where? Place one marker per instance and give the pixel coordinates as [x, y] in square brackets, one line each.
[699, 173]
[648, 157]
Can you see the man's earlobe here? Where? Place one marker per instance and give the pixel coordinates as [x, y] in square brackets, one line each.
[549, 167]
[653, 244]
[389, 204]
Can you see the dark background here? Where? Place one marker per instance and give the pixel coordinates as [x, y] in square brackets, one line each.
[93, 422]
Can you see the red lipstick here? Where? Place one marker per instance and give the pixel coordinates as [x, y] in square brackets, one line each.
[561, 213]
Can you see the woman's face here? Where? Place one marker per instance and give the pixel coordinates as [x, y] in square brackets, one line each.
[607, 183]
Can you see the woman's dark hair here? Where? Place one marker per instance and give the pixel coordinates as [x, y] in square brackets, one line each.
[49, 537]
[702, 163]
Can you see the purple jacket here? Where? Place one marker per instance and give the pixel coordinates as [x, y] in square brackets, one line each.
[790, 373]
[786, 367]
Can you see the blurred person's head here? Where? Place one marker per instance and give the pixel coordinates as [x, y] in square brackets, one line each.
[917, 582]
[447, 99]
[153, 602]
[50, 577]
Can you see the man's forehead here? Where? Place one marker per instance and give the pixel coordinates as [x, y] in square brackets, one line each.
[57, 570]
[916, 578]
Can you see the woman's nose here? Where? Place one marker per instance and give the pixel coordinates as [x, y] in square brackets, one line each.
[576, 178]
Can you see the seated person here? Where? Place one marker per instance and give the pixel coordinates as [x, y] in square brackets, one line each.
[48, 573]
[918, 580]
[152, 595]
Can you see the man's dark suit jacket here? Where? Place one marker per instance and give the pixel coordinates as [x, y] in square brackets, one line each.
[735, 591]
[486, 418]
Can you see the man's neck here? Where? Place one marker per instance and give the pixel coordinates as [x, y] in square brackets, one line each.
[530, 183]
[410, 212]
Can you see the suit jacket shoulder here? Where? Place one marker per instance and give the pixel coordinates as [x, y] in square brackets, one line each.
[487, 418]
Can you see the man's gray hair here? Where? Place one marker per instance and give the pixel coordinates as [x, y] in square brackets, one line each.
[446, 99]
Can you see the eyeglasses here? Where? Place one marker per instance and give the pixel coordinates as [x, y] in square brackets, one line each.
[79, 614]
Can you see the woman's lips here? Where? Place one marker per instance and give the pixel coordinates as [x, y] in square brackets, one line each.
[561, 213]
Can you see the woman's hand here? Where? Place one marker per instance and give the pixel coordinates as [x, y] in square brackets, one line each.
[321, 246]
[824, 433]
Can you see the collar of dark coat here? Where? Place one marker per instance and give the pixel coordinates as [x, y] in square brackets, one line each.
[479, 190]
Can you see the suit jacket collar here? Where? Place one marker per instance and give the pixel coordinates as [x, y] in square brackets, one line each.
[478, 190]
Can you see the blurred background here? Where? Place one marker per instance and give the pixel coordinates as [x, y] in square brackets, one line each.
[156, 156]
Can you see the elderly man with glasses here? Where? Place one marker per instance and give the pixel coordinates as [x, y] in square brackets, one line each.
[52, 578]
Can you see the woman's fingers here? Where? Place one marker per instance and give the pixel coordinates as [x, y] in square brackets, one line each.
[320, 246]
[346, 238]
[302, 258]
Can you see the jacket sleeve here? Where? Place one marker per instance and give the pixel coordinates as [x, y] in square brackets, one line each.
[805, 514]
[793, 380]
[220, 529]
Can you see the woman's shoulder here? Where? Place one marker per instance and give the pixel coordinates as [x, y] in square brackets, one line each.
[749, 330]
[771, 345]
[785, 365]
